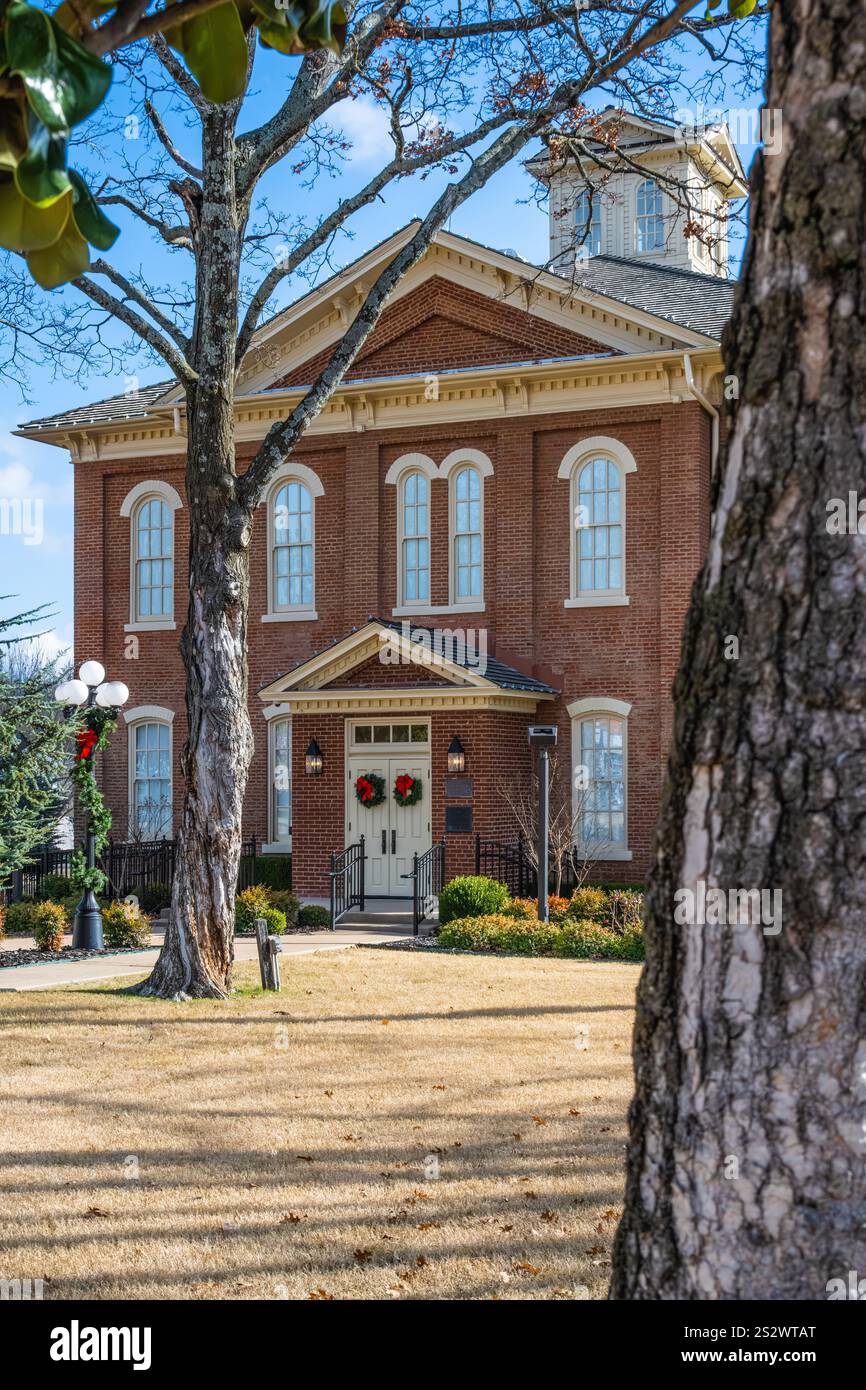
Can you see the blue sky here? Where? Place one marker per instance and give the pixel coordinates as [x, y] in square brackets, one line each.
[36, 567]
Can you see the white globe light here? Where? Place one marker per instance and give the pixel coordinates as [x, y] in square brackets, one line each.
[92, 673]
[112, 695]
[71, 693]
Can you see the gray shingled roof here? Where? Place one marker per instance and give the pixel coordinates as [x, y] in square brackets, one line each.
[495, 671]
[113, 408]
[701, 302]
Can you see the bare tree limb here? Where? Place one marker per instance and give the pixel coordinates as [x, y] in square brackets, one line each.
[102, 267]
[165, 140]
[140, 326]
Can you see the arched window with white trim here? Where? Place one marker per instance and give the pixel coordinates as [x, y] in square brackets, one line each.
[292, 548]
[649, 222]
[414, 538]
[150, 507]
[596, 470]
[467, 534]
[281, 781]
[599, 750]
[150, 772]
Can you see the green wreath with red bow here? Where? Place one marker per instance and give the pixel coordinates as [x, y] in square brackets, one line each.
[370, 789]
[407, 790]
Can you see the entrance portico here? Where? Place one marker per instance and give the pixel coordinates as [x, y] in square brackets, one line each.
[378, 704]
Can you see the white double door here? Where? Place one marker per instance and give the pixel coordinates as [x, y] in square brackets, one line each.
[392, 833]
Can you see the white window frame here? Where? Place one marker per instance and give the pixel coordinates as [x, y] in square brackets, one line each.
[129, 508]
[643, 220]
[134, 718]
[290, 473]
[589, 708]
[580, 454]
[451, 468]
[589, 245]
[422, 463]
[413, 605]
[275, 715]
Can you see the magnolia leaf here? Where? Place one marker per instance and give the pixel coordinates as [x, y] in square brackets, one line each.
[91, 221]
[325, 25]
[41, 173]
[284, 39]
[740, 8]
[64, 260]
[281, 25]
[74, 19]
[216, 50]
[13, 132]
[26, 227]
[64, 83]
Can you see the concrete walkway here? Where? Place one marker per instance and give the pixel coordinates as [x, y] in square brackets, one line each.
[49, 976]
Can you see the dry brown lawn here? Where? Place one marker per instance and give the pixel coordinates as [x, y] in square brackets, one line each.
[390, 1126]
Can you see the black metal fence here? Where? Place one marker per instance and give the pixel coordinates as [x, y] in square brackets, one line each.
[428, 880]
[347, 880]
[128, 866]
[510, 864]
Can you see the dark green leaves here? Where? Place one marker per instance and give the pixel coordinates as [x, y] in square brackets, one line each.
[215, 48]
[64, 83]
[91, 220]
[296, 25]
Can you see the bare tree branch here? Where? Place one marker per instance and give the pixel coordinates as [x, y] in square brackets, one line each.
[140, 326]
[165, 141]
[102, 267]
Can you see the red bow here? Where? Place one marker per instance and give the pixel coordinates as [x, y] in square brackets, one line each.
[404, 784]
[87, 741]
[364, 789]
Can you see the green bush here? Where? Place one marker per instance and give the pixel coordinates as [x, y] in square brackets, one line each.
[152, 897]
[583, 939]
[49, 924]
[21, 918]
[124, 924]
[589, 905]
[55, 887]
[524, 909]
[273, 871]
[255, 902]
[286, 902]
[471, 896]
[575, 938]
[312, 915]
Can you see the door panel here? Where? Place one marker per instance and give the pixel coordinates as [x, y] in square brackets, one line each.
[393, 834]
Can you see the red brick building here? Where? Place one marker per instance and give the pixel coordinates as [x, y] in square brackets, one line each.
[495, 522]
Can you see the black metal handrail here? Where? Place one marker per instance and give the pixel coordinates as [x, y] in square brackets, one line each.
[428, 880]
[347, 880]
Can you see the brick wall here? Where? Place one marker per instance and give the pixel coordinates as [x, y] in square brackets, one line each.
[629, 653]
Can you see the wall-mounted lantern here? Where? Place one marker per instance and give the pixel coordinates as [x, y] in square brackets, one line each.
[313, 761]
[456, 756]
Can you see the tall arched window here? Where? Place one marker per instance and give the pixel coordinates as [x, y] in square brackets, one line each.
[599, 750]
[596, 469]
[467, 535]
[150, 772]
[153, 531]
[587, 221]
[292, 570]
[649, 223]
[415, 539]
[281, 781]
[150, 507]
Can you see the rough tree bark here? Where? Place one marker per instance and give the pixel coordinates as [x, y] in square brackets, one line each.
[748, 1127]
[196, 959]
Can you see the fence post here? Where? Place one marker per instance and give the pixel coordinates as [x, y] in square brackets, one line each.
[415, 916]
[363, 884]
[333, 882]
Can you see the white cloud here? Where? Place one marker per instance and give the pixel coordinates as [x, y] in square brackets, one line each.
[365, 124]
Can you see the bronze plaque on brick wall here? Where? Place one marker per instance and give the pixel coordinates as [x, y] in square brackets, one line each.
[458, 819]
[458, 786]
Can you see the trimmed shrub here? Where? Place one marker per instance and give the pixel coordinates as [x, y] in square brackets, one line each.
[583, 940]
[21, 917]
[152, 897]
[312, 915]
[523, 909]
[556, 907]
[471, 896]
[570, 938]
[273, 871]
[49, 924]
[124, 924]
[286, 902]
[255, 902]
[589, 905]
[55, 887]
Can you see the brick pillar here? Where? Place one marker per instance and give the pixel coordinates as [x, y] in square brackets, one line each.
[514, 520]
[362, 540]
[318, 803]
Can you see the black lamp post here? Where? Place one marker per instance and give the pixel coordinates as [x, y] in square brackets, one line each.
[91, 688]
[542, 737]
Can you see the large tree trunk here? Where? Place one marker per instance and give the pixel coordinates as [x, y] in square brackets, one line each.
[196, 958]
[748, 1127]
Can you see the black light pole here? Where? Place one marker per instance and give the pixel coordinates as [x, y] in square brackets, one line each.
[542, 737]
[91, 688]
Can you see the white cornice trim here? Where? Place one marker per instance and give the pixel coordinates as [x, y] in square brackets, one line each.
[418, 698]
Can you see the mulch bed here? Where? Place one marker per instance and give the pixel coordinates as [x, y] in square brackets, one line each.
[33, 956]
